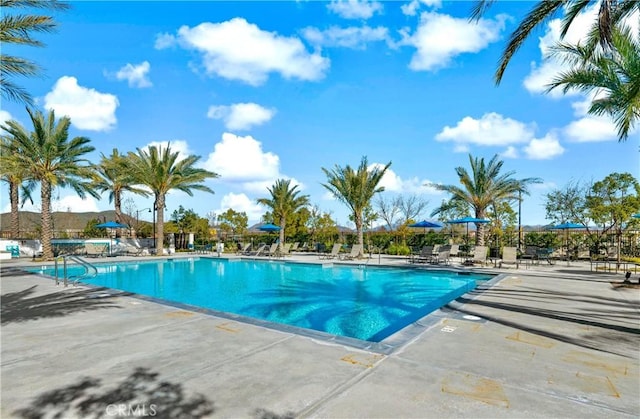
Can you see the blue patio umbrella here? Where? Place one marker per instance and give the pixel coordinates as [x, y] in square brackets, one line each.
[566, 226]
[636, 215]
[467, 220]
[425, 224]
[269, 227]
[111, 224]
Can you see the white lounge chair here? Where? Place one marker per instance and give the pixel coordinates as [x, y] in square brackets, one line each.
[356, 251]
[334, 252]
[509, 256]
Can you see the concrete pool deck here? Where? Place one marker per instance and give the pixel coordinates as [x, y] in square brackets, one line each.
[548, 341]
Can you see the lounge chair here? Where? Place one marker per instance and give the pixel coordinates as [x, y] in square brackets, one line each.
[96, 249]
[356, 251]
[257, 252]
[442, 256]
[479, 255]
[273, 249]
[294, 247]
[284, 251]
[243, 249]
[334, 252]
[135, 251]
[425, 255]
[509, 256]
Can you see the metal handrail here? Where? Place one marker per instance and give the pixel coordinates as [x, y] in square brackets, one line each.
[88, 267]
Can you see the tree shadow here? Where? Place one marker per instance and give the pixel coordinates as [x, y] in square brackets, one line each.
[20, 306]
[140, 394]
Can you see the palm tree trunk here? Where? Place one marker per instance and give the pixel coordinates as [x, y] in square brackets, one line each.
[283, 223]
[358, 221]
[117, 202]
[14, 197]
[159, 239]
[47, 233]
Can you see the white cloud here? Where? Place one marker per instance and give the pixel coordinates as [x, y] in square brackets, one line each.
[242, 203]
[73, 203]
[355, 9]
[439, 38]
[351, 37]
[87, 108]
[510, 153]
[136, 75]
[413, 6]
[165, 40]
[241, 159]
[394, 183]
[180, 146]
[544, 148]
[491, 130]
[241, 116]
[5, 116]
[591, 128]
[238, 50]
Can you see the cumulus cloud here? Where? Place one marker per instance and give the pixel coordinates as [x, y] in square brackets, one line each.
[242, 203]
[136, 75]
[412, 7]
[351, 37]
[394, 183]
[180, 146]
[241, 116]
[355, 9]
[439, 38]
[239, 50]
[241, 159]
[87, 108]
[491, 129]
[544, 149]
[510, 153]
[73, 203]
[5, 116]
[165, 40]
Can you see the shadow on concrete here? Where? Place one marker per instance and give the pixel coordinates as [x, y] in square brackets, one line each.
[21, 306]
[141, 394]
[265, 414]
[599, 334]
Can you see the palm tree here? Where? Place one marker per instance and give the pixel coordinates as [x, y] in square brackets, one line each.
[614, 76]
[160, 170]
[355, 188]
[485, 186]
[284, 202]
[48, 156]
[611, 13]
[17, 29]
[114, 176]
[15, 175]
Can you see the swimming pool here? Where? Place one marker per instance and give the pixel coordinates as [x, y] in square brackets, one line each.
[369, 303]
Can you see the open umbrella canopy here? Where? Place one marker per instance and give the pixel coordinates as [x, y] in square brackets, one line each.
[425, 224]
[636, 215]
[467, 220]
[567, 226]
[111, 224]
[269, 227]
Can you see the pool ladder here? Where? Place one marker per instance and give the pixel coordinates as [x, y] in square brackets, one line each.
[89, 270]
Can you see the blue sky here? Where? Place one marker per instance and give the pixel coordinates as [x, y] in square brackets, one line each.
[268, 90]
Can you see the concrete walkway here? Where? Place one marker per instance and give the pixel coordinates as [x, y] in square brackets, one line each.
[549, 341]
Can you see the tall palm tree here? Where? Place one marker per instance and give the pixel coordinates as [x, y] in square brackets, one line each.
[160, 170]
[114, 176]
[484, 186]
[614, 76]
[50, 158]
[355, 188]
[611, 13]
[285, 201]
[17, 29]
[15, 175]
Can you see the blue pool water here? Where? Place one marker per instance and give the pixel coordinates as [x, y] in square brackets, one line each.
[368, 304]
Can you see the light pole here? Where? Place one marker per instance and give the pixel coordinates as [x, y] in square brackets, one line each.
[519, 219]
[138, 217]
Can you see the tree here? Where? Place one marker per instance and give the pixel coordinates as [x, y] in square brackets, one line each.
[388, 210]
[160, 170]
[408, 207]
[233, 221]
[114, 176]
[17, 29]
[321, 226]
[285, 200]
[612, 201]
[611, 13]
[613, 75]
[50, 158]
[568, 204]
[485, 186]
[12, 172]
[355, 188]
